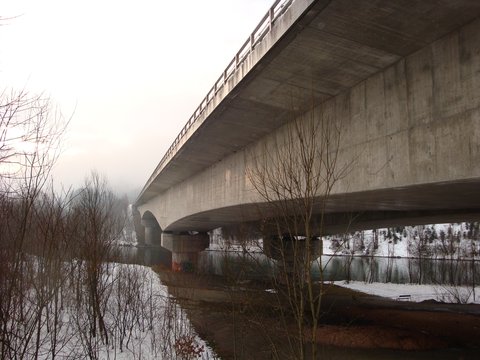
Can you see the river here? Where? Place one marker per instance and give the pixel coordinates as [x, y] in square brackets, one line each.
[359, 268]
[335, 268]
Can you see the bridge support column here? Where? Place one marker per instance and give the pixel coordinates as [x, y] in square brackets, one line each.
[291, 255]
[152, 232]
[185, 249]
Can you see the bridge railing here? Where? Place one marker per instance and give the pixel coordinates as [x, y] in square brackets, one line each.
[263, 28]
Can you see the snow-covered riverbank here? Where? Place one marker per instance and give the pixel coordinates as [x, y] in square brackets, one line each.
[141, 319]
[416, 293]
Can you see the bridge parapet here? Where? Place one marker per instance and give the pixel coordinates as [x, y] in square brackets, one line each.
[264, 27]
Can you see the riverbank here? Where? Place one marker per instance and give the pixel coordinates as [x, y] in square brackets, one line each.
[244, 319]
[417, 292]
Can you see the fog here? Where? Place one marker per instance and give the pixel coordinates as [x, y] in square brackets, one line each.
[128, 74]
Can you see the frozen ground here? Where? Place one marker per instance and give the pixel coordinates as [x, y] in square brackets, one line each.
[156, 329]
[417, 293]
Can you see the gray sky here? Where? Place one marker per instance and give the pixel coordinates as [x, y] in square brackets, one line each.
[132, 70]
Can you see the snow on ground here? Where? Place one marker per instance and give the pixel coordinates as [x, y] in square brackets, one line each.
[416, 293]
[144, 344]
[157, 329]
[250, 248]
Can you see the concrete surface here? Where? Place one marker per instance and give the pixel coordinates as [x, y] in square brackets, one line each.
[401, 78]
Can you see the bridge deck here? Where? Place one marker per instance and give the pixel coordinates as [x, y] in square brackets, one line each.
[313, 50]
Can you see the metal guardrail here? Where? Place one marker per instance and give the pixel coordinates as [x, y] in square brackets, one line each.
[263, 28]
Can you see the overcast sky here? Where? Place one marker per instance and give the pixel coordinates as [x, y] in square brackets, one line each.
[131, 72]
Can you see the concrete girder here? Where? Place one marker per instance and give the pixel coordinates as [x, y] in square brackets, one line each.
[404, 82]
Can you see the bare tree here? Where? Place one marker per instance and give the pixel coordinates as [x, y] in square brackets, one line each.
[54, 252]
[31, 130]
[30, 136]
[99, 222]
[294, 174]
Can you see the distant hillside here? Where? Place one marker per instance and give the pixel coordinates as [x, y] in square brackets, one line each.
[457, 240]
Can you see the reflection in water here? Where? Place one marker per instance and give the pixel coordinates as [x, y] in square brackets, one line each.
[399, 270]
[144, 256]
[337, 268]
[252, 265]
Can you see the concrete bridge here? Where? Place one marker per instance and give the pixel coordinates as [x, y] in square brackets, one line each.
[402, 78]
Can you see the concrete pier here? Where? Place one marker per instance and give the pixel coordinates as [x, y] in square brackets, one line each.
[294, 256]
[185, 249]
[152, 232]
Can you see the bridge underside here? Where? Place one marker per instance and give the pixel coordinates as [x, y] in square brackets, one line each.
[421, 204]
